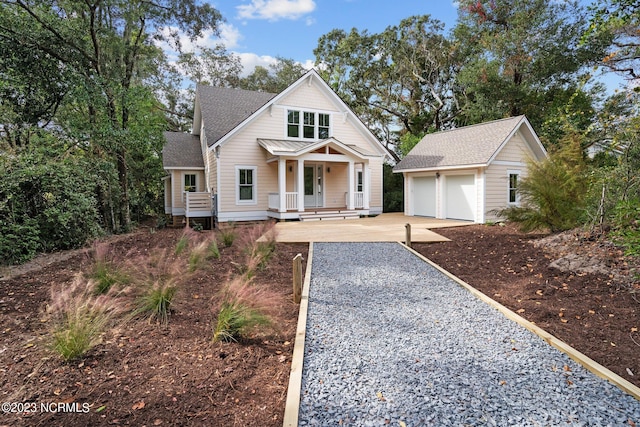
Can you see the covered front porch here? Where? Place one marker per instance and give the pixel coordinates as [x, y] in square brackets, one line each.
[324, 177]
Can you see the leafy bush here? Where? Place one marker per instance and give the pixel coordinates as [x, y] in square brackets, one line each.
[553, 195]
[79, 318]
[48, 201]
[19, 242]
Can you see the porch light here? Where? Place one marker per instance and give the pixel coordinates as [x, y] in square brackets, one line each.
[290, 168]
[328, 170]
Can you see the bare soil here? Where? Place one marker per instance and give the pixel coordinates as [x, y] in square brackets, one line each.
[143, 374]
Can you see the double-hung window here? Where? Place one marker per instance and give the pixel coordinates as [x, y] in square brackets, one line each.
[246, 192]
[293, 124]
[190, 182]
[513, 196]
[323, 126]
[308, 124]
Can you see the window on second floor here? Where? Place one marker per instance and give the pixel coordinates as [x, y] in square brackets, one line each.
[312, 126]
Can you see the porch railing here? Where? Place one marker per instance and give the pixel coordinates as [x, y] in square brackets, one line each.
[197, 204]
[358, 199]
[291, 201]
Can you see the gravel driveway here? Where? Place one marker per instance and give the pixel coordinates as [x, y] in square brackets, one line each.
[392, 341]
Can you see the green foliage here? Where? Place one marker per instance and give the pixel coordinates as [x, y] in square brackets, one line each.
[19, 242]
[242, 307]
[507, 72]
[393, 188]
[553, 195]
[106, 275]
[235, 320]
[408, 141]
[156, 300]
[182, 245]
[276, 78]
[228, 235]
[400, 78]
[79, 318]
[47, 202]
[616, 22]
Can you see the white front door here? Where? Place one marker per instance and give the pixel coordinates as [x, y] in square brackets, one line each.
[313, 186]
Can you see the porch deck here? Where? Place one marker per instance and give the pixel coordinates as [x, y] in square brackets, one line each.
[388, 227]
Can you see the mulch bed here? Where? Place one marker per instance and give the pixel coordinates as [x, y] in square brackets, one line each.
[143, 374]
[594, 308]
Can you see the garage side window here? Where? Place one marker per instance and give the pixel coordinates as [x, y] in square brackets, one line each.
[514, 180]
[246, 192]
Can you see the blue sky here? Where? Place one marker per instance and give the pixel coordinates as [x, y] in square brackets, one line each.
[260, 30]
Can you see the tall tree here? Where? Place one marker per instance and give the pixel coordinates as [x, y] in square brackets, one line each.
[618, 21]
[109, 45]
[400, 78]
[521, 56]
[279, 76]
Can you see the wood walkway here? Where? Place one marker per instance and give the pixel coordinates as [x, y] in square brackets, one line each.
[388, 227]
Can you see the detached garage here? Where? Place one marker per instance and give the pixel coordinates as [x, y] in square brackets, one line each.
[469, 172]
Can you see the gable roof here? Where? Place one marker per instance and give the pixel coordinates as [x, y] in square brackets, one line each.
[278, 147]
[181, 150]
[308, 77]
[475, 145]
[226, 108]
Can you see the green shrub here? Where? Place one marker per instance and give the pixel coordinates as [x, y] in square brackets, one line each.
[235, 320]
[242, 307]
[105, 273]
[553, 195]
[79, 318]
[155, 302]
[19, 242]
[228, 237]
[182, 244]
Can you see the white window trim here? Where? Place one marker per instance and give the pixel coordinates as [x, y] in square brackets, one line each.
[316, 126]
[253, 201]
[184, 174]
[519, 174]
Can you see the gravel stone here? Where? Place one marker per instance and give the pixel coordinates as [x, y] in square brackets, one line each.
[390, 338]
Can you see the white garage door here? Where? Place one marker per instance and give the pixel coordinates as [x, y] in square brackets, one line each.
[424, 196]
[460, 197]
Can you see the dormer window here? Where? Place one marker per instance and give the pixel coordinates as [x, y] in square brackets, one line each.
[313, 125]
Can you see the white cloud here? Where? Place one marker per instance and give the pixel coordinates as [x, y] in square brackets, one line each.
[274, 10]
[229, 35]
[250, 61]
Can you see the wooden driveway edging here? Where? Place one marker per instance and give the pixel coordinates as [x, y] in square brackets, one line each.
[292, 404]
[565, 348]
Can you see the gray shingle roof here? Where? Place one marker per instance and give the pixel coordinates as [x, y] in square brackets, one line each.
[223, 108]
[182, 150]
[469, 145]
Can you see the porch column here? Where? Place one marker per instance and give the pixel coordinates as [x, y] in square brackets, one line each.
[282, 184]
[366, 187]
[300, 186]
[351, 184]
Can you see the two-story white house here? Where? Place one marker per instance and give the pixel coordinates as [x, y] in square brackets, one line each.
[251, 155]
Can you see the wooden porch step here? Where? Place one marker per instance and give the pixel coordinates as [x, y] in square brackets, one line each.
[328, 215]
